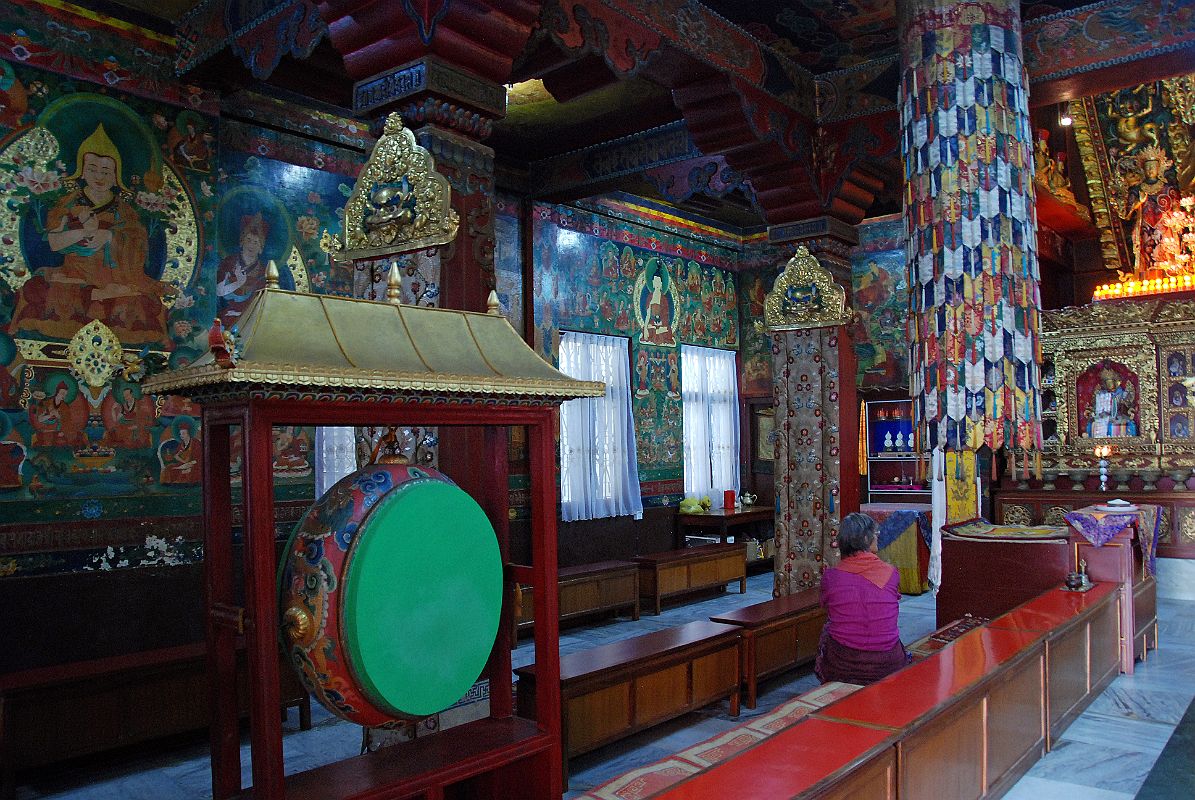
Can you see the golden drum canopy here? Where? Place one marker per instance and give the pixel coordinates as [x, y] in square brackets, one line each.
[289, 341]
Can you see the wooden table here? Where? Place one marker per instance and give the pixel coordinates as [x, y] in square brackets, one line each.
[778, 635]
[612, 691]
[720, 521]
[1121, 561]
[675, 572]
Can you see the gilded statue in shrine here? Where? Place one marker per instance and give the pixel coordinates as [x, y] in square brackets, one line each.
[1131, 108]
[1111, 410]
[1050, 172]
[1142, 197]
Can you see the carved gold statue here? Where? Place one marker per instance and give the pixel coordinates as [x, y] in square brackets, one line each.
[1131, 109]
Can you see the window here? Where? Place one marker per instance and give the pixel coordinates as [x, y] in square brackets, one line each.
[599, 470]
[710, 397]
[335, 455]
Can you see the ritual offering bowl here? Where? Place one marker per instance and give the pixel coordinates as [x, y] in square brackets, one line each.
[390, 592]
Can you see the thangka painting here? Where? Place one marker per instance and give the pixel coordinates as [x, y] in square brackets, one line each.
[756, 353]
[508, 259]
[880, 286]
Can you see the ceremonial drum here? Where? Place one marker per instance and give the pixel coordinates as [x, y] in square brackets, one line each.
[391, 589]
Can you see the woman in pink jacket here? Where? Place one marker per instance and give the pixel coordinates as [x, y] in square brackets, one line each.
[860, 642]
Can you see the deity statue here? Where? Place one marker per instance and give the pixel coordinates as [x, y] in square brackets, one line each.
[1143, 196]
[1112, 408]
[1131, 109]
[1042, 164]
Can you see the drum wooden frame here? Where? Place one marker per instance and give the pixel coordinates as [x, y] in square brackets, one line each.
[363, 363]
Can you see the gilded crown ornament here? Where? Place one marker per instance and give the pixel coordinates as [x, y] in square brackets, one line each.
[399, 203]
[805, 296]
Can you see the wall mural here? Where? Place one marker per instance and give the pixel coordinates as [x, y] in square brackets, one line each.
[880, 286]
[597, 274]
[761, 266]
[508, 258]
[126, 225]
[100, 254]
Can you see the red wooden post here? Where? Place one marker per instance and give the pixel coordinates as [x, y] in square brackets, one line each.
[218, 578]
[848, 426]
[542, 452]
[496, 502]
[261, 628]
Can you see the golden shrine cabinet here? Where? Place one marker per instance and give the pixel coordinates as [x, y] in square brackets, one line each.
[1119, 374]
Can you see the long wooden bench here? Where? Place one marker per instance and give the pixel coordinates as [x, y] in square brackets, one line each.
[612, 691]
[778, 635]
[965, 721]
[588, 589]
[677, 572]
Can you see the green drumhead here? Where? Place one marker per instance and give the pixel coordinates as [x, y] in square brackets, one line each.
[422, 599]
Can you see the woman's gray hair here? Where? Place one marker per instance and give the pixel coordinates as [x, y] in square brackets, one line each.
[857, 533]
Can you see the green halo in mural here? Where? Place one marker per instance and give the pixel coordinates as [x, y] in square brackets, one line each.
[62, 379]
[183, 420]
[74, 118]
[247, 201]
[120, 384]
[8, 349]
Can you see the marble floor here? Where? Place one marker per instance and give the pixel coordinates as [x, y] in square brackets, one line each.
[1104, 755]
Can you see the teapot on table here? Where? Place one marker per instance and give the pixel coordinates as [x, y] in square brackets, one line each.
[748, 499]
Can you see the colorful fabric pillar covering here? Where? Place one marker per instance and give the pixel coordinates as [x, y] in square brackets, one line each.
[808, 464]
[969, 212]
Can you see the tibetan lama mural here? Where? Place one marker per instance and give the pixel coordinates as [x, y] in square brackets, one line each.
[761, 263]
[881, 296]
[128, 224]
[601, 274]
[106, 197]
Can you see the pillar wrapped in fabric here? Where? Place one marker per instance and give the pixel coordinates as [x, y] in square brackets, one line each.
[969, 211]
[391, 590]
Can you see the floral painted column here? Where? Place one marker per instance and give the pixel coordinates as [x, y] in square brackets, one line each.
[969, 212]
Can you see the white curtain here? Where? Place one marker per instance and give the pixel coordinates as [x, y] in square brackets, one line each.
[938, 516]
[599, 469]
[710, 405]
[335, 456]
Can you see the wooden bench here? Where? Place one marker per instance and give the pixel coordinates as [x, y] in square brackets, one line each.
[778, 635]
[966, 721]
[612, 691]
[676, 572]
[588, 589]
